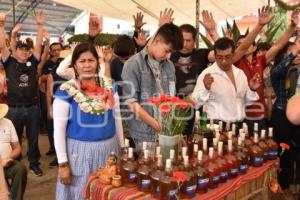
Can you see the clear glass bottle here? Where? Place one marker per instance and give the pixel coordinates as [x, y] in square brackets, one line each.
[273, 146]
[232, 161]
[202, 174]
[168, 184]
[213, 170]
[129, 170]
[189, 187]
[155, 175]
[256, 153]
[144, 170]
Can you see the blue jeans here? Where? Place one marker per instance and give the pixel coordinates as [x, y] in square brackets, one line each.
[28, 117]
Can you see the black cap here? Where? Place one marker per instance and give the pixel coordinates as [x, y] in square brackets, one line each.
[22, 44]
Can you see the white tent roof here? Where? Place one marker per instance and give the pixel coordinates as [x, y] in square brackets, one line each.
[185, 11]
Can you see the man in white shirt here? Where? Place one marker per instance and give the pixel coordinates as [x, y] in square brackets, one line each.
[10, 149]
[224, 87]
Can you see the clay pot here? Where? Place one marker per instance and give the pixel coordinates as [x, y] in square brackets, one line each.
[117, 181]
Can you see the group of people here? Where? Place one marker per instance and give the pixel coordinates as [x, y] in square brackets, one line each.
[95, 94]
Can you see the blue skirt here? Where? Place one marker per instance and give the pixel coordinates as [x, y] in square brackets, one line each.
[84, 158]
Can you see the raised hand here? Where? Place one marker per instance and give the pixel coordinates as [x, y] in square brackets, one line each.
[265, 15]
[208, 80]
[138, 20]
[46, 35]
[40, 17]
[94, 25]
[105, 53]
[17, 28]
[208, 21]
[255, 82]
[2, 19]
[295, 17]
[165, 16]
[141, 40]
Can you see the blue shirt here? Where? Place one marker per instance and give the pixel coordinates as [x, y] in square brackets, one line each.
[278, 79]
[85, 126]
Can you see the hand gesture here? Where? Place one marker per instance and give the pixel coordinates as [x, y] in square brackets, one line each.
[2, 19]
[94, 25]
[295, 18]
[138, 21]
[165, 17]
[65, 175]
[40, 17]
[46, 35]
[208, 21]
[265, 15]
[17, 28]
[141, 40]
[208, 80]
[255, 82]
[105, 53]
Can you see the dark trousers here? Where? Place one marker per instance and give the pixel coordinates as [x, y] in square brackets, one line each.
[28, 117]
[262, 124]
[18, 174]
[283, 134]
[43, 111]
[50, 131]
[190, 123]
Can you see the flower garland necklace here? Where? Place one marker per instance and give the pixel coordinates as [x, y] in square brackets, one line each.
[90, 97]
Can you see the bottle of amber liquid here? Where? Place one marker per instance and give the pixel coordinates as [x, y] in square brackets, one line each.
[195, 153]
[242, 157]
[205, 150]
[168, 184]
[232, 161]
[155, 175]
[248, 140]
[124, 152]
[213, 170]
[263, 145]
[180, 158]
[189, 186]
[144, 181]
[222, 162]
[273, 146]
[202, 174]
[129, 170]
[256, 153]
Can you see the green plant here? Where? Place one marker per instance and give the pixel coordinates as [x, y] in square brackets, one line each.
[101, 39]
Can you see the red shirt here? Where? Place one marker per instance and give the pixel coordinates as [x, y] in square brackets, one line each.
[258, 109]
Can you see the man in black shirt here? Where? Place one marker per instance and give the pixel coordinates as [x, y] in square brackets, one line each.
[22, 82]
[189, 63]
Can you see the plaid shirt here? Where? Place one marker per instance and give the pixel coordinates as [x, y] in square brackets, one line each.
[278, 80]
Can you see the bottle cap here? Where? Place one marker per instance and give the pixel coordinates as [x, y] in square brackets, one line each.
[255, 126]
[220, 148]
[239, 141]
[184, 151]
[168, 164]
[230, 145]
[144, 145]
[172, 154]
[146, 154]
[126, 142]
[270, 132]
[204, 142]
[195, 147]
[130, 152]
[200, 155]
[255, 138]
[158, 150]
[211, 152]
[263, 134]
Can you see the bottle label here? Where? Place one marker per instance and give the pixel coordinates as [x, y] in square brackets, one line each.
[272, 155]
[234, 171]
[257, 161]
[215, 179]
[132, 177]
[203, 183]
[172, 193]
[243, 168]
[145, 183]
[224, 174]
[190, 190]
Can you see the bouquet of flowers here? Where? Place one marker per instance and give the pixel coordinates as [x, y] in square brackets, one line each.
[172, 112]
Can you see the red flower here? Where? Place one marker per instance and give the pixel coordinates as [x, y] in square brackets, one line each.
[179, 176]
[164, 98]
[154, 100]
[284, 146]
[165, 108]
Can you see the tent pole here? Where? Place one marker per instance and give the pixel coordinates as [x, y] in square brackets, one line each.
[14, 13]
[197, 22]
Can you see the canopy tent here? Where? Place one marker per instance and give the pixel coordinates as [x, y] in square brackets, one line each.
[185, 10]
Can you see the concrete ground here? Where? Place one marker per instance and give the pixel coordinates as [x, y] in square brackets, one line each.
[42, 187]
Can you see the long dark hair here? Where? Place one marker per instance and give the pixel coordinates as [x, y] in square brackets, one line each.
[80, 49]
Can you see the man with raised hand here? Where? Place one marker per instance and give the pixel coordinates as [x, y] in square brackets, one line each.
[22, 81]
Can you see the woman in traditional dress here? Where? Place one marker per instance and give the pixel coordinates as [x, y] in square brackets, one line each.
[87, 123]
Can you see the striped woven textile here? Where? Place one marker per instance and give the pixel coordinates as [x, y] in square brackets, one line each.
[94, 190]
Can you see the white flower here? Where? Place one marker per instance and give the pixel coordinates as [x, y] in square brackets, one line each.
[65, 86]
[72, 91]
[87, 109]
[79, 97]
